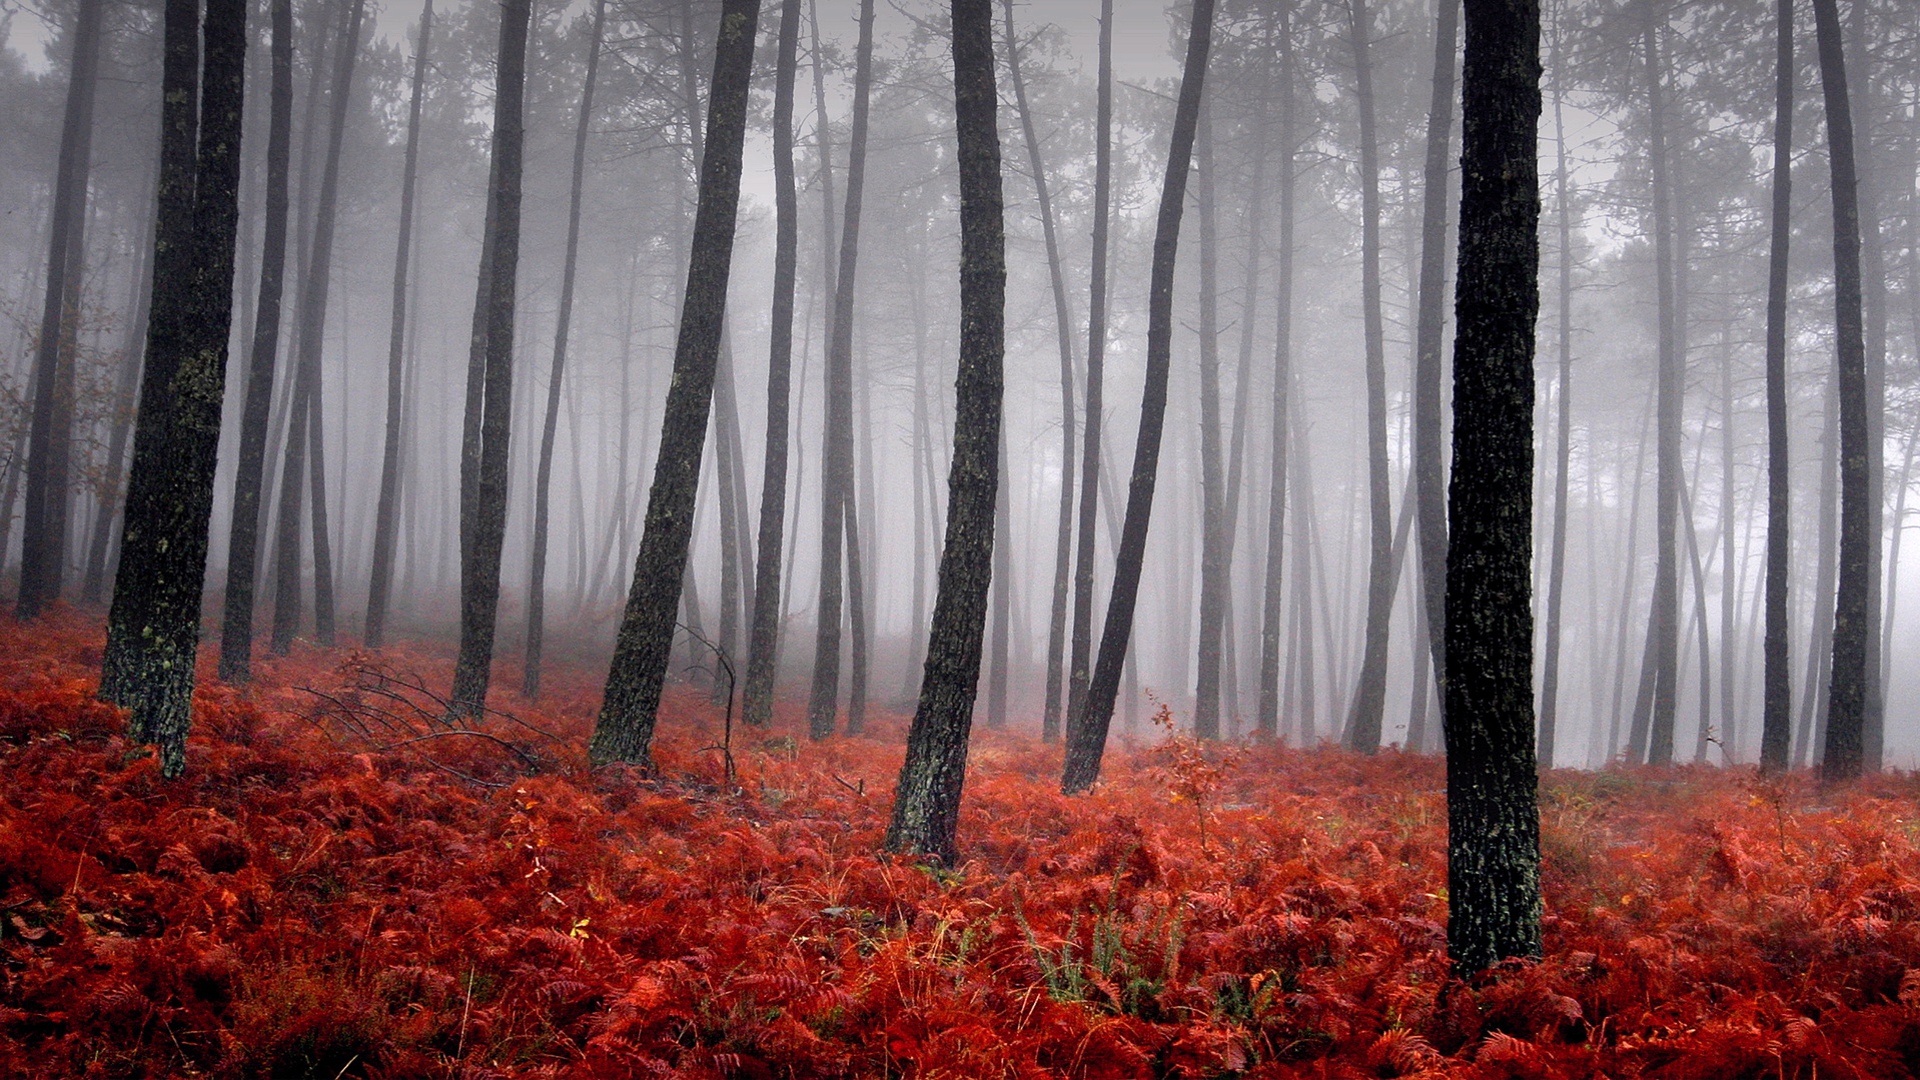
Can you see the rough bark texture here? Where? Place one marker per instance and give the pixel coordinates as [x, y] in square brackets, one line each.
[243, 538]
[763, 637]
[1776, 734]
[543, 476]
[386, 517]
[645, 641]
[1493, 846]
[836, 471]
[1087, 739]
[43, 552]
[487, 424]
[926, 804]
[153, 629]
[1842, 754]
[1429, 425]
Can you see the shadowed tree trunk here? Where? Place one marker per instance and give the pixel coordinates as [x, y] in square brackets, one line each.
[1370, 696]
[1267, 720]
[1776, 735]
[763, 638]
[489, 404]
[1063, 325]
[543, 478]
[1843, 753]
[645, 641]
[1079, 670]
[1493, 845]
[1873, 281]
[153, 629]
[1213, 584]
[243, 538]
[1563, 450]
[1087, 739]
[386, 519]
[43, 553]
[836, 475]
[926, 805]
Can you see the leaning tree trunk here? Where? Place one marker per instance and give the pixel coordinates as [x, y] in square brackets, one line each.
[926, 806]
[1080, 652]
[1267, 719]
[153, 629]
[43, 553]
[836, 469]
[386, 517]
[243, 537]
[1063, 325]
[543, 477]
[1563, 448]
[1842, 755]
[763, 636]
[1087, 738]
[489, 406]
[645, 641]
[1776, 735]
[1493, 845]
[1370, 696]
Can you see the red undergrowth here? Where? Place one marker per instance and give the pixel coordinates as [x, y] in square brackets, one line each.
[320, 896]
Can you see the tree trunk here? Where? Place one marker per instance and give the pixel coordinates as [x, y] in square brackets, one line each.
[1663, 626]
[836, 472]
[1493, 846]
[386, 521]
[43, 553]
[153, 629]
[1429, 451]
[926, 805]
[639, 670]
[1063, 325]
[1813, 701]
[1213, 584]
[1873, 280]
[1080, 654]
[543, 478]
[1776, 735]
[126, 393]
[1087, 739]
[1563, 451]
[1370, 695]
[1002, 601]
[1267, 720]
[488, 419]
[763, 638]
[1843, 753]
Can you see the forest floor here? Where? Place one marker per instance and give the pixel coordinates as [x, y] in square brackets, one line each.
[320, 896]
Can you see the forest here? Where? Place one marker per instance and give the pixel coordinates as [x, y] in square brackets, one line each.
[817, 538]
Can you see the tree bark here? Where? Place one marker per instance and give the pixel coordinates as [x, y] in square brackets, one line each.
[926, 805]
[563, 316]
[639, 670]
[1429, 451]
[1776, 736]
[1493, 846]
[763, 639]
[153, 628]
[1087, 739]
[386, 520]
[1267, 719]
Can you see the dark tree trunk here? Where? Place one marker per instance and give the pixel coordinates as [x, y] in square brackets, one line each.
[153, 629]
[1843, 753]
[1267, 720]
[926, 805]
[43, 553]
[997, 676]
[488, 420]
[1776, 736]
[1213, 513]
[243, 538]
[763, 639]
[1873, 280]
[386, 519]
[641, 652]
[1063, 324]
[1563, 450]
[1429, 450]
[1493, 846]
[1087, 739]
[1813, 700]
[1079, 669]
[543, 478]
[1370, 695]
[836, 470]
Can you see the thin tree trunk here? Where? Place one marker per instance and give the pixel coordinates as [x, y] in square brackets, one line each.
[489, 405]
[926, 806]
[1080, 654]
[1873, 280]
[1663, 626]
[1563, 453]
[642, 650]
[1002, 600]
[1813, 701]
[763, 640]
[386, 521]
[1087, 739]
[1267, 720]
[1213, 585]
[126, 393]
[1776, 734]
